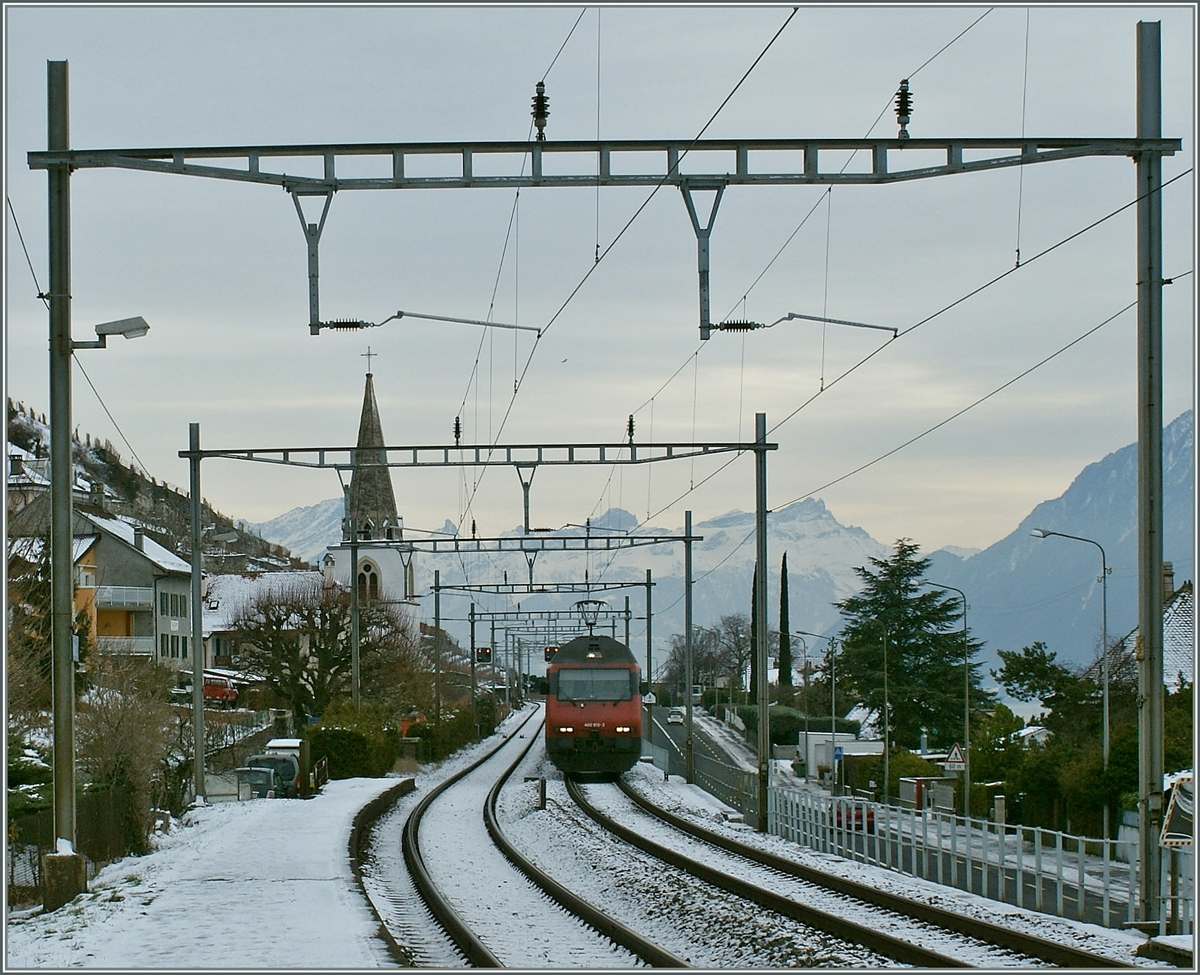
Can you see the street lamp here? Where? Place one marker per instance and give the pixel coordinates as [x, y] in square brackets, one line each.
[832, 709]
[1044, 533]
[966, 700]
[804, 650]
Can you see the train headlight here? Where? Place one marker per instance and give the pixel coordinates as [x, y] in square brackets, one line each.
[566, 730]
[624, 727]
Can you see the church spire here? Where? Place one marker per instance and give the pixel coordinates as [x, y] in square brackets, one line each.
[372, 500]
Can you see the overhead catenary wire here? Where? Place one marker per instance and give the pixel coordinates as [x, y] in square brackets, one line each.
[1021, 169]
[1096, 223]
[637, 213]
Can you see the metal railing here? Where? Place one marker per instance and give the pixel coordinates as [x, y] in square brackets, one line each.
[138, 597]
[142, 645]
[1043, 870]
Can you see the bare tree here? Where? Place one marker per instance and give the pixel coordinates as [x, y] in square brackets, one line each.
[298, 639]
[124, 730]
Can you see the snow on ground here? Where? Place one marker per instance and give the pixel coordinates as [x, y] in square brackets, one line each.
[681, 798]
[267, 884]
[237, 885]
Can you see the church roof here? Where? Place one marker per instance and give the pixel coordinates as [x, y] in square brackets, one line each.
[372, 500]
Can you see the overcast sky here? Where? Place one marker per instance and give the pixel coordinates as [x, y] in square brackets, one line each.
[219, 270]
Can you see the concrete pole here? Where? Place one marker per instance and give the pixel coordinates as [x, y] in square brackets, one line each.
[354, 631]
[199, 788]
[437, 650]
[64, 873]
[1150, 481]
[649, 655]
[760, 616]
[474, 709]
[62, 569]
[689, 754]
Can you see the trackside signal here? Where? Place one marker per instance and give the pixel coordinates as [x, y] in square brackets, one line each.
[483, 655]
[550, 652]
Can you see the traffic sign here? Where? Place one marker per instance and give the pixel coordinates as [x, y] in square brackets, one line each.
[837, 753]
[954, 761]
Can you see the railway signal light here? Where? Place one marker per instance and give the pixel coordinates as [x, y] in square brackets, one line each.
[550, 652]
[483, 655]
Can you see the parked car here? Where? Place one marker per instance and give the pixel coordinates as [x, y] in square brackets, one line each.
[265, 783]
[220, 690]
[856, 816]
[675, 716]
[288, 768]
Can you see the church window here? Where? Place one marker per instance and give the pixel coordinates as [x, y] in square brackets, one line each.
[368, 581]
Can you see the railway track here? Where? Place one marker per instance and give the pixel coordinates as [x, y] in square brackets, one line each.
[497, 907]
[907, 931]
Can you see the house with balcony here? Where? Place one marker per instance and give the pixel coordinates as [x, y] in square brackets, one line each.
[135, 591]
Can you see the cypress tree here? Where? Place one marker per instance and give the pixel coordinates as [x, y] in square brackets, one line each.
[785, 638]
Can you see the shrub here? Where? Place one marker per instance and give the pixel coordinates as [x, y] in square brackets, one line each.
[357, 743]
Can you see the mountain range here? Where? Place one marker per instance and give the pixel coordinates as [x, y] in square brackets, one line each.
[1020, 589]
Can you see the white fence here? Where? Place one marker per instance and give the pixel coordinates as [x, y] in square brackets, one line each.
[1044, 870]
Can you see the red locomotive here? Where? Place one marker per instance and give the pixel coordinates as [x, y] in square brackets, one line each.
[594, 707]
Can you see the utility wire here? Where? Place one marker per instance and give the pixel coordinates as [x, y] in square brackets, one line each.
[107, 413]
[1021, 169]
[21, 238]
[971, 294]
[546, 73]
[587, 274]
[45, 300]
[971, 406]
[928, 318]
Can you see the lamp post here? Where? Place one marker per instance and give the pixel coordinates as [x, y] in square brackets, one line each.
[832, 707]
[64, 875]
[1045, 533]
[804, 651]
[966, 701]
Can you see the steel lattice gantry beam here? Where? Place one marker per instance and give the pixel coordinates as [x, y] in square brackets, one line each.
[530, 615]
[478, 455]
[543, 589]
[712, 165]
[537, 542]
[711, 162]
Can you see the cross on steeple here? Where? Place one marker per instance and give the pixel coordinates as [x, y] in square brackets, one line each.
[368, 356]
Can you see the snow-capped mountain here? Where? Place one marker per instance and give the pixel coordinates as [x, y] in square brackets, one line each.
[1018, 590]
[1024, 588]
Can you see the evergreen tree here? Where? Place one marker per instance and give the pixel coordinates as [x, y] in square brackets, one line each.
[928, 666]
[785, 637]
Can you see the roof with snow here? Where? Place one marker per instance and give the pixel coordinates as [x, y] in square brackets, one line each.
[162, 557]
[226, 596]
[1179, 641]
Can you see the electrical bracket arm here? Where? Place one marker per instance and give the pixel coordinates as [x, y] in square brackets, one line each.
[702, 234]
[312, 234]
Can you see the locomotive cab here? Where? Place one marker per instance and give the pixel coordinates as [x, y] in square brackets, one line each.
[594, 707]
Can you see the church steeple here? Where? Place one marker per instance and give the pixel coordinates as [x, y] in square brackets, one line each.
[372, 500]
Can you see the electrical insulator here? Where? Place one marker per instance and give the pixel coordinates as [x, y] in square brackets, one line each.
[541, 110]
[629, 428]
[472, 527]
[346, 323]
[739, 325]
[903, 108]
[457, 429]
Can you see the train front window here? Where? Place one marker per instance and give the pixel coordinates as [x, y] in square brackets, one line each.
[593, 685]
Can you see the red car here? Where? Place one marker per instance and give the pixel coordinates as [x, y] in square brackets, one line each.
[221, 691]
[855, 816]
